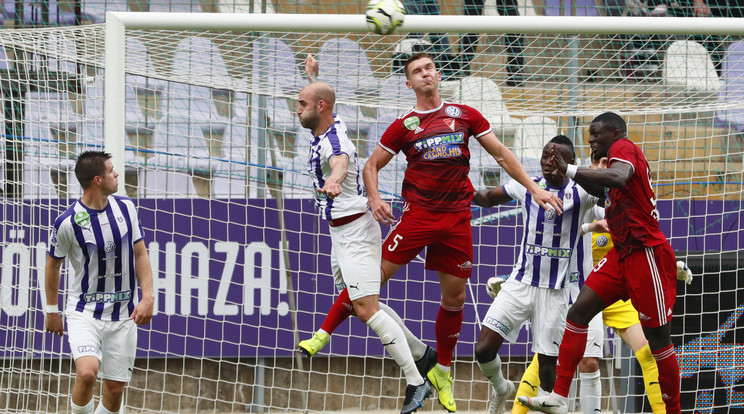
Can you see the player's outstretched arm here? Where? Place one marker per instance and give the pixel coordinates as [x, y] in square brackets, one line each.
[492, 197]
[594, 181]
[339, 170]
[312, 68]
[514, 168]
[53, 320]
[381, 210]
[142, 313]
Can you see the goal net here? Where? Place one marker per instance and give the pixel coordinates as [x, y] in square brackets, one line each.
[199, 111]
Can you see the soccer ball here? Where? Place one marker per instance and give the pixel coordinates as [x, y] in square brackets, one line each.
[383, 16]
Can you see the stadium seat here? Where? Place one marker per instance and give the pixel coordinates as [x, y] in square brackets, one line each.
[688, 66]
[571, 8]
[532, 135]
[732, 89]
[135, 118]
[50, 130]
[180, 146]
[239, 166]
[32, 13]
[198, 56]
[176, 6]
[484, 95]
[345, 66]
[244, 6]
[95, 10]
[275, 71]
[393, 99]
[61, 46]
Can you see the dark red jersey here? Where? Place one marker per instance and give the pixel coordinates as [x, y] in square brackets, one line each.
[435, 143]
[631, 211]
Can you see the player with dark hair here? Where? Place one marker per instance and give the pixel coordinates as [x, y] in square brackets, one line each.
[535, 289]
[434, 136]
[104, 241]
[355, 236]
[640, 266]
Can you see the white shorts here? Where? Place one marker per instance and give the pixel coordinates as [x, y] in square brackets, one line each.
[114, 343]
[356, 253]
[595, 338]
[518, 302]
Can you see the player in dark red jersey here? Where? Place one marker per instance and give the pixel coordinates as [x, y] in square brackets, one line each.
[640, 267]
[434, 136]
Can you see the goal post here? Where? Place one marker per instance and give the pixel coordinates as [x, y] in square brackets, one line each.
[199, 112]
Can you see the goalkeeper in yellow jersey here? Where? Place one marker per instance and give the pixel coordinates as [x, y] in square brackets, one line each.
[623, 318]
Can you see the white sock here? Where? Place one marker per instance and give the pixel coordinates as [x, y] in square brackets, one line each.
[392, 338]
[82, 409]
[417, 347]
[102, 410]
[492, 371]
[590, 392]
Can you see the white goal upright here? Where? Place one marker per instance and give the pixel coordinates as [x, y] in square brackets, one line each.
[198, 111]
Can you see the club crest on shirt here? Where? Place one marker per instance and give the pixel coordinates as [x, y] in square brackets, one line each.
[453, 111]
[412, 123]
[450, 123]
[568, 196]
[82, 218]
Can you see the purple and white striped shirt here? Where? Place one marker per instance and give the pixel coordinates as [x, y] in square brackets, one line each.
[549, 240]
[352, 200]
[100, 246]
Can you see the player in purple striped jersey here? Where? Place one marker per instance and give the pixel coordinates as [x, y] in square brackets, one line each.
[535, 288]
[102, 237]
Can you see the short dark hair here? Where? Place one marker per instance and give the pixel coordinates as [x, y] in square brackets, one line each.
[414, 57]
[89, 165]
[564, 140]
[613, 121]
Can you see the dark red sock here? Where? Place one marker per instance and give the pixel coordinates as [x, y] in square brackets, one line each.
[569, 355]
[448, 325]
[666, 361]
[338, 313]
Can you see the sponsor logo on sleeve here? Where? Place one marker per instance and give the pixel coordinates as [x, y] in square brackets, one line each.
[82, 218]
[412, 122]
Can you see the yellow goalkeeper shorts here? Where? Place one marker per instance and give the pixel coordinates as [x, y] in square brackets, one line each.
[620, 315]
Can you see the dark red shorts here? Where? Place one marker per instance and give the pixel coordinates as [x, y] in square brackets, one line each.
[448, 236]
[648, 277]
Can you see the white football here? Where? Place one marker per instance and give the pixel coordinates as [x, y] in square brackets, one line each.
[383, 16]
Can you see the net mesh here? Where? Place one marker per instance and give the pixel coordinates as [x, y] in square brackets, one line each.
[216, 161]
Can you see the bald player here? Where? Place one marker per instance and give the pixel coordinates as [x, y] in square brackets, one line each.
[356, 238]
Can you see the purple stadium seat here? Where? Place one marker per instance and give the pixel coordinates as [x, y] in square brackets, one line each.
[733, 88]
[571, 8]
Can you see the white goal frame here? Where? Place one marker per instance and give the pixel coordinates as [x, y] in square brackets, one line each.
[118, 22]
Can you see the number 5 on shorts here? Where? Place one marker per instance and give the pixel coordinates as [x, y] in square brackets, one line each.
[394, 245]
